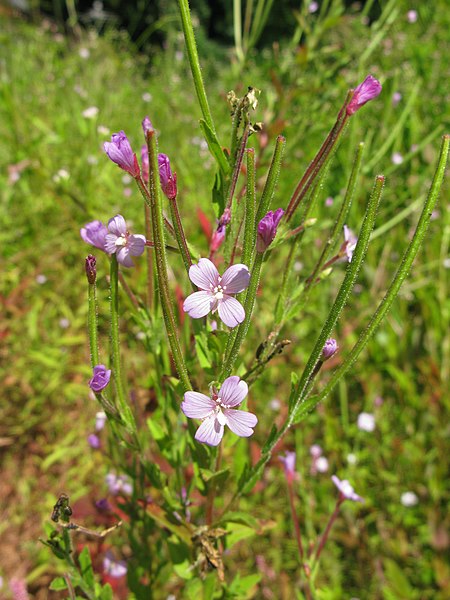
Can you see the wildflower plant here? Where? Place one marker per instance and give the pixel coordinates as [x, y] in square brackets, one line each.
[180, 456]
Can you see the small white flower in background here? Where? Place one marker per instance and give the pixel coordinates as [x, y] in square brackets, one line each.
[100, 420]
[84, 53]
[396, 97]
[90, 113]
[446, 263]
[102, 130]
[140, 335]
[412, 16]
[409, 499]
[114, 568]
[92, 160]
[41, 279]
[352, 459]
[127, 192]
[346, 490]
[275, 404]
[322, 464]
[298, 266]
[366, 422]
[147, 97]
[397, 158]
[64, 323]
[126, 179]
[179, 55]
[61, 175]
[313, 7]
[435, 215]
[315, 451]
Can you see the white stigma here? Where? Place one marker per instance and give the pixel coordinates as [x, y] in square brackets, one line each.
[121, 241]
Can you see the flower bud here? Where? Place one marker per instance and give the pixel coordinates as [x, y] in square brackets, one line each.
[91, 269]
[147, 126]
[100, 379]
[369, 89]
[167, 178]
[144, 161]
[120, 152]
[267, 229]
[330, 348]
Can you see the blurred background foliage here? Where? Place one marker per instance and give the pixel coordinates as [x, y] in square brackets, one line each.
[69, 77]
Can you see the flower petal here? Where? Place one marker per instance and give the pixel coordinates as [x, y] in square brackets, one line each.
[110, 243]
[231, 311]
[235, 279]
[124, 258]
[240, 421]
[233, 391]
[136, 244]
[210, 432]
[204, 274]
[117, 225]
[198, 304]
[197, 406]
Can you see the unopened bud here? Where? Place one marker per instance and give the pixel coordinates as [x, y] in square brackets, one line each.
[91, 269]
[330, 348]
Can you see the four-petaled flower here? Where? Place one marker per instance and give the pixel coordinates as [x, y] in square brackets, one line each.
[119, 150]
[216, 292]
[346, 491]
[369, 89]
[121, 242]
[94, 233]
[219, 410]
[100, 378]
[267, 229]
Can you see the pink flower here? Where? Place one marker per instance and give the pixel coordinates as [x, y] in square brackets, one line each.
[219, 410]
[216, 292]
[120, 152]
[167, 178]
[346, 491]
[114, 568]
[366, 422]
[369, 89]
[94, 233]
[121, 242]
[147, 126]
[100, 420]
[267, 229]
[100, 379]
[288, 461]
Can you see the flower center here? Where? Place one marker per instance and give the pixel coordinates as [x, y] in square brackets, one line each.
[218, 292]
[121, 241]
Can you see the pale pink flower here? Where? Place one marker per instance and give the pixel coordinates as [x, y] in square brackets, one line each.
[216, 292]
[219, 410]
[412, 16]
[288, 461]
[346, 491]
[122, 243]
[120, 152]
[366, 422]
[350, 241]
[369, 89]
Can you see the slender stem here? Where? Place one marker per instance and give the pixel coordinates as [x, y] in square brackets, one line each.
[92, 324]
[294, 516]
[194, 62]
[272, 178]
[250, 199]
[242, 329]
[394, 287]
[149, 256]
[213, 488]
[237, 167]
[326, 533]
[161, 261]
[134, 301]
[181, 238]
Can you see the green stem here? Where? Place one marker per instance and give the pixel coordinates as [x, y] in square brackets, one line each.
[92, 324]
[242, 329]
[194, 62]
[394, 287]
[181, 238]
[149, 256]
[272, 178]
[250, 200]
[155, 200]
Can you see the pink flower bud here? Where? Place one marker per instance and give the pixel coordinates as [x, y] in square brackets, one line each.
[369, 89]
[167, 178]
[267, 229]
[120, 152]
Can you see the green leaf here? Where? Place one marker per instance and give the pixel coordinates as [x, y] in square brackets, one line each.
[106, 593]
[397, 580]
[272, 434]
[86, 567]
[216, 478]
[214, 147]
[202, 350]
[58, 584]
[238, 532]
[239, 517]
[242, 586]
[180, 555]
[153, 472]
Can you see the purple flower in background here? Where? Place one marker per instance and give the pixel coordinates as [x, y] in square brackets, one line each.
[350, 241]
[396, 98]
[100, 420]
[124, 244]
[288, 461]
[118, 484]
[369, 89]
[94, 441]
[330, 347]
[315, 451]
[144, 161]
[397, 158]
[114, 568]
[346, 491]
[101, 378]
[18, 588]
[412, 16]
[167, 178]
[147, 126]
[120, 152]
[219, 410]
[94, 233]
[267, 229]
[218, 235]
[91, 270]
[216, 292]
